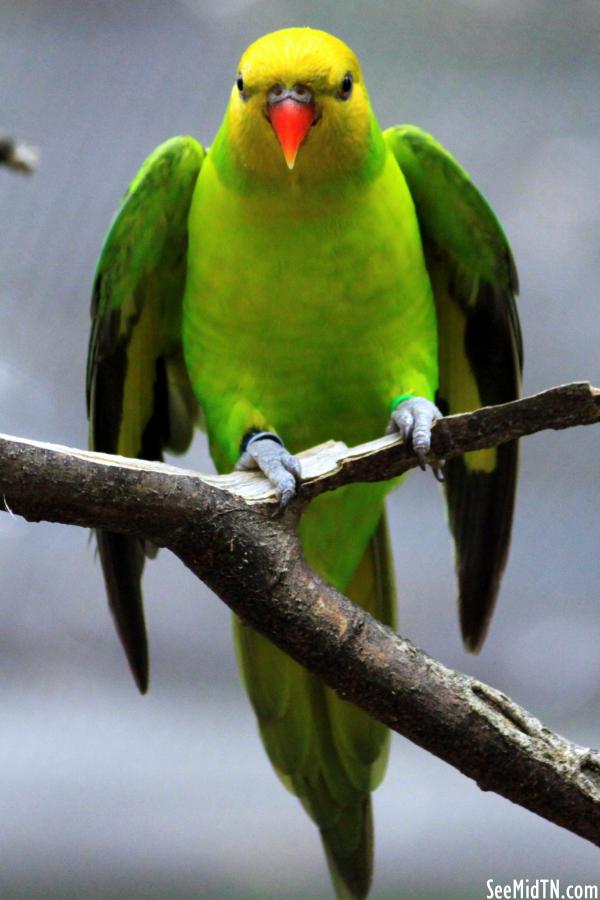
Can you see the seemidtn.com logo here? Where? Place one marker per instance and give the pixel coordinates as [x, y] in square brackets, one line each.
[540, 889]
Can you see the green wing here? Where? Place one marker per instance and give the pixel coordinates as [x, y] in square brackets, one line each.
[139, 397]
[475, 284]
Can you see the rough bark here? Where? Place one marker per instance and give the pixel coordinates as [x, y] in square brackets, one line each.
[223, 529]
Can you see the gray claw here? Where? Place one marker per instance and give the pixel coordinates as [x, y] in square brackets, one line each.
[438, 471]
[285, 496]
[421, 454]
[414, 418]
[280, 467]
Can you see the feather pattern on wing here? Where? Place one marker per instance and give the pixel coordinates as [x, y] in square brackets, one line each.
[139, 398]
[475, 283]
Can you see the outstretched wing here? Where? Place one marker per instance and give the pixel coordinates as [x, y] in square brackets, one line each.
[139, 397]
[480, 353]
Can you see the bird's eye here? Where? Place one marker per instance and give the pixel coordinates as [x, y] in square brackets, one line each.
[346, 86]
[240, 84]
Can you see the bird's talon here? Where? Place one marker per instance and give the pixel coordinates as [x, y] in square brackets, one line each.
[414, 419]
[284, 500]
[278, 465]
[292, 464]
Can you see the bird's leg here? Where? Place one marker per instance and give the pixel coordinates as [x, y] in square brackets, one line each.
[414, 417]
[266, 451]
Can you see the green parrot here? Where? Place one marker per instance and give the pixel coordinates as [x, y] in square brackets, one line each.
[308, 277]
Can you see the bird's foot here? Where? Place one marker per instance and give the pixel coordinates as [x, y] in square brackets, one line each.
[266, 451]
[414, 419]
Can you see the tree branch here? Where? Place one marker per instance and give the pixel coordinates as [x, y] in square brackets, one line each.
[221, 528]
[17, 155]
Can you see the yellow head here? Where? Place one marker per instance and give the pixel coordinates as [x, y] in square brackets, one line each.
[299, 109]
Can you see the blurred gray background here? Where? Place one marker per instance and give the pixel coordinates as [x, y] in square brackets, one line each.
[105, 794]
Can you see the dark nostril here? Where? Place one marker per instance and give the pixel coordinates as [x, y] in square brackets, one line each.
[278, 90]
[299, 89]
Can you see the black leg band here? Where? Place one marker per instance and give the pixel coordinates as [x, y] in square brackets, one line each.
[254, 435]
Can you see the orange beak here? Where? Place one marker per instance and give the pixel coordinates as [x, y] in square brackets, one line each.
[291, 121]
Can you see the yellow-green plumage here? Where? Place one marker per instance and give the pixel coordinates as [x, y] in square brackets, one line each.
[303, 279]
[271, 270]
[304, 302]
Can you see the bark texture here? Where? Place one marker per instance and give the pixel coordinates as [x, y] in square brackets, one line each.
[222, 528]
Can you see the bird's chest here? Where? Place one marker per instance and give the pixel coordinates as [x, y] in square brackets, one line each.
[287, 300]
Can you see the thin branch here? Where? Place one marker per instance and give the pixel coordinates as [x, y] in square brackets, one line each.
[17, 155]
[332, 464]
[221, 528]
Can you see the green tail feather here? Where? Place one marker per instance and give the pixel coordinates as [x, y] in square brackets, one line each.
[351, 872]
[325, 750]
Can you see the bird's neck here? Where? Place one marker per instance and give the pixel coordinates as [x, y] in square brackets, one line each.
[319, 171]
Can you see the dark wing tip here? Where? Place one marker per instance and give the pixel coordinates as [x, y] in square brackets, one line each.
[123, 561]
[471, 643]
[140, 665]
[475, 616]
[141, 675]
[485, 498]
